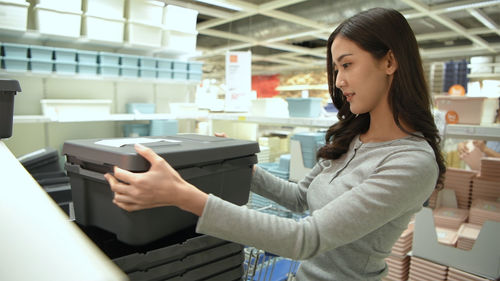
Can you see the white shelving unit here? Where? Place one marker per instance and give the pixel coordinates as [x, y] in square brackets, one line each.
[319, 122]
[482, 132]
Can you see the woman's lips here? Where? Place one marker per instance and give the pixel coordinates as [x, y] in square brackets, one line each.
[349, 96]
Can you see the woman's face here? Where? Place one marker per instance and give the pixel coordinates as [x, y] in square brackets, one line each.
[363, 80]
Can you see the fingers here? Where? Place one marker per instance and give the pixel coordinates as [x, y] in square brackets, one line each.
[221, 135]
[147, 153]
[124, 175]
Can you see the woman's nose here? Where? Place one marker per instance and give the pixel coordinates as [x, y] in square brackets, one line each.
[339, 81]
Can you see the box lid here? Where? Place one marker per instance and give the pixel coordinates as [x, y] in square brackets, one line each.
[181, 150]
[9, 85]
[38, 156]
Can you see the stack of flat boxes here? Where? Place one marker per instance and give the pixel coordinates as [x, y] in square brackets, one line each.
[164, 68]
[61, 18]
[109, 64]
[144, 22]
[129, 66]
[15, 57]
[195, 71]
[87, 62]
[180, 70]
[65, 61]
[41, 59]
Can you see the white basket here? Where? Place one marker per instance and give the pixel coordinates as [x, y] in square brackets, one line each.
[144, 11]
[50, 21]
[103, 29]
[183, 42]
[74, 109]
[180, 19]
[139, 33]
[109, 9]
[269, 107]
[65, 5]
[13, 15]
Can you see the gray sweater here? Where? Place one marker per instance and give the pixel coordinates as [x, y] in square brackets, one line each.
[359, 204]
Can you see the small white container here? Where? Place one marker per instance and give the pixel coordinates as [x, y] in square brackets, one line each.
[147, 11]
[180, 19]
[103, 29]
[65, 5]
[139, 33]
[55, 22]
[477, 64]
[75, 109]
[181, 42]
[13, 15]
[269, 107]
[109, 9]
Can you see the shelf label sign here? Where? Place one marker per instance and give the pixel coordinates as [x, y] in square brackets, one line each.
[238, 81]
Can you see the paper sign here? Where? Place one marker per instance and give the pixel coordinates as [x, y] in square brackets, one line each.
[122, 142]
[238, 81]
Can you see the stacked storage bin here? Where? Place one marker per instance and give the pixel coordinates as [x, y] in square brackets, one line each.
[164, 68]
[310, 142]
[103, 20]
[166, 127]
[179, 33]
[180, 70]
[144, 22]
[109, 64]
[87, 62]
[147, 67]
[41, 59]
[181, 256]
[15, 57]
[129, 66]
[58, 17]
[455, 73]
[139, 129]
[195, 71]
[65, 61]
[14, 14]
[44, 166]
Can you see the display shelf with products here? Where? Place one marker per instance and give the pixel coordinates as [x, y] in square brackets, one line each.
[482, 132]
[321, 122]
[111, 117]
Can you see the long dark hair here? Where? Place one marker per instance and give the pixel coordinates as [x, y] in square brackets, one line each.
[377, 31]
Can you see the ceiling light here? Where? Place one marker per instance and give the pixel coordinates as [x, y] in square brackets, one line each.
[221, 3]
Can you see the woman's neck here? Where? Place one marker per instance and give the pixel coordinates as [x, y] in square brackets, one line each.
[383, 127]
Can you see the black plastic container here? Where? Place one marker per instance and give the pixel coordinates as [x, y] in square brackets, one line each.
[8, 89]
[221, 166]
[45, 160]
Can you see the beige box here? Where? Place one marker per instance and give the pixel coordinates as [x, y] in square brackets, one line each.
[469, 110]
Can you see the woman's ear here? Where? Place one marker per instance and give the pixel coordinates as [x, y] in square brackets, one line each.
[391, 63]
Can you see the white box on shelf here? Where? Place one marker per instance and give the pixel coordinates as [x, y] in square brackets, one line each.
[13, 15]
[140, 33]
[109, 9]
[55, 22]
[183, 42]
[272, 107]
[75, 109]
[103, 29]
[144, 11]
[180, 19]
[66, 5]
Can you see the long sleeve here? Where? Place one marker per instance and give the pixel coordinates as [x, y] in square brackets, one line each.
[346, 206]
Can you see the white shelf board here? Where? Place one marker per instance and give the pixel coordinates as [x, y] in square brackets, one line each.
[484, 76]
[5, 73]
[285, 121]
[323, 87]
[482, 132]
[111, 117]
[36, 38]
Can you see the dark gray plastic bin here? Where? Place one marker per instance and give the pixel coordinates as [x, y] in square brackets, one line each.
[41, 161]
[8, 89]
[221, 166]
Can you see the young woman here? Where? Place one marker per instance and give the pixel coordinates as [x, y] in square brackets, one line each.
[380, 164]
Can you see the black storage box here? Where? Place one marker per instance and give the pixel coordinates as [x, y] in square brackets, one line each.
[45, 160]
[8, 89]
[221, 166]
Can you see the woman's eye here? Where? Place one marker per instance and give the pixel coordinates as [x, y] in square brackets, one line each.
[345, 65]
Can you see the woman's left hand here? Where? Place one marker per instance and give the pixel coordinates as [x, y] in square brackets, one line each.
[161, 185]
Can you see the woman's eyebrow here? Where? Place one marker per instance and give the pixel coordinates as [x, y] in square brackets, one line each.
[339, 58]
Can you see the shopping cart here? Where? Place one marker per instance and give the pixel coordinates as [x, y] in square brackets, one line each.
[260, 265]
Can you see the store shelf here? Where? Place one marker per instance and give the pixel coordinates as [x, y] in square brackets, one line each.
[4, 73]
[35, 37]
[323, 122]
[483, 132]
[323, 87]
[484, 76]
[111, 117]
